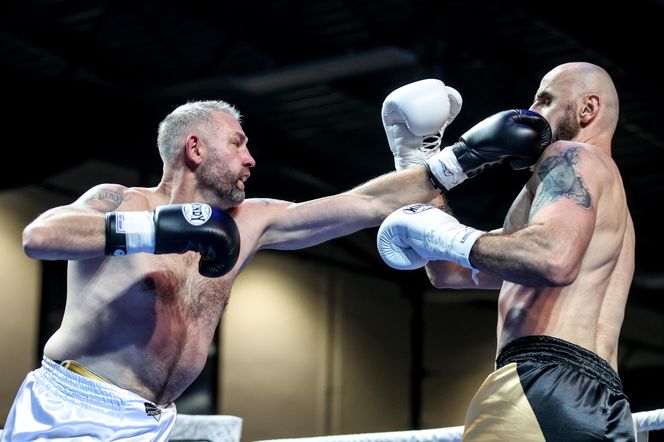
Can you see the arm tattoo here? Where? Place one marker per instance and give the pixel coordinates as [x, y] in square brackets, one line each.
[266, 201]
[559, 179]
[107, 195]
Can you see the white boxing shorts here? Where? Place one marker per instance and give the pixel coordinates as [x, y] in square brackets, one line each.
[55, 403]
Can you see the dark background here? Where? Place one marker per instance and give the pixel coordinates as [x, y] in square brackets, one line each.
[85, 84]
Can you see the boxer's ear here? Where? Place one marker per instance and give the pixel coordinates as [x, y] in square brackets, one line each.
[589, 109]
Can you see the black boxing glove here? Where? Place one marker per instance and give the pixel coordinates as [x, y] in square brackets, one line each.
[518, 136]
[177, 228]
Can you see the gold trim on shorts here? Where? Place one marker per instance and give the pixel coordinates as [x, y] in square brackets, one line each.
[82, 370]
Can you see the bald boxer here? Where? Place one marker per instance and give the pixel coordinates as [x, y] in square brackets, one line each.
[150, 271]
[563, 261]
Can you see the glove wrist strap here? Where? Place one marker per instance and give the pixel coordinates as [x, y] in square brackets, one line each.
[465, 243]
[445, 168]
[432, 178]
[453, 245]
[129, 232]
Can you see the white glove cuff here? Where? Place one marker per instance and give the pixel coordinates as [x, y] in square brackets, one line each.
[446, 169]
[466, 241]
[452, 245]
[139, 230]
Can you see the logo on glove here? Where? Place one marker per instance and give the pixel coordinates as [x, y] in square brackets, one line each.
[416, 208]
[196, 214]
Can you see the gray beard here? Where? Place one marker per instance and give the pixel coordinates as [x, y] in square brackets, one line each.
[223, 188]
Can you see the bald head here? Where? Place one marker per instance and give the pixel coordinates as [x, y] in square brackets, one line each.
[586, 95]
[588, 78]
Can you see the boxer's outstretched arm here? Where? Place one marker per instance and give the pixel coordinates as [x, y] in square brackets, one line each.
[514, 134]
[294, 226]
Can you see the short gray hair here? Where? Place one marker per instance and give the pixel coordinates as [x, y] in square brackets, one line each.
[174, 127]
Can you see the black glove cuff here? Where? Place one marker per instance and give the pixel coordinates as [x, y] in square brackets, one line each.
[116, 243]
[433, 180]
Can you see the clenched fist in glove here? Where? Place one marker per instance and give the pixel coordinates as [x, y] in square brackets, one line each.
[415, 234]
[177, 228]
[517, 136]
[415, 116]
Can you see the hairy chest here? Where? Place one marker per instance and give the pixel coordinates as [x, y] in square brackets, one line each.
[183, 293]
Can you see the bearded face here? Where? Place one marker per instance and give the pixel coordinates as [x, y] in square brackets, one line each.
[217, 178]
[568, 126]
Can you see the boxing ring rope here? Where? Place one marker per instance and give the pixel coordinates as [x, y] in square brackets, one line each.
[647, 421]
[213, 428]
[644, 422]
[217, 428]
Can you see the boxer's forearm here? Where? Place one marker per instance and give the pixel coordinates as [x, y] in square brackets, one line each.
[396, 189]
[295, 226]
[528, 256]
[65, 233]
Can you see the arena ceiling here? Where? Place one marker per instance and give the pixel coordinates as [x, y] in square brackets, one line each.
[86, 83]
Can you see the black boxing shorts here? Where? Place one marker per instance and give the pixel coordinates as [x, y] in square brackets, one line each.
[548, 389]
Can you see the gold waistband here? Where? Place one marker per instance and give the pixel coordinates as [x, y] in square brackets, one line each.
[82, 370]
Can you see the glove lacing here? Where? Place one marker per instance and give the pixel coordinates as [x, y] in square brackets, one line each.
[432, 141]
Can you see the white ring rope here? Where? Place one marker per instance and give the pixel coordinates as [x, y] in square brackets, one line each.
[448, 434]
[649, 420]
[643, 421]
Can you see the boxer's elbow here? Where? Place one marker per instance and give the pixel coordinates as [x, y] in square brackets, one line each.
[447, 275]
[559, 270]
[35, 240]
[437, 280]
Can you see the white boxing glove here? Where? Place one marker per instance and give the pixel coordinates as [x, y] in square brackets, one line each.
[415, 117]
[415, 234]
